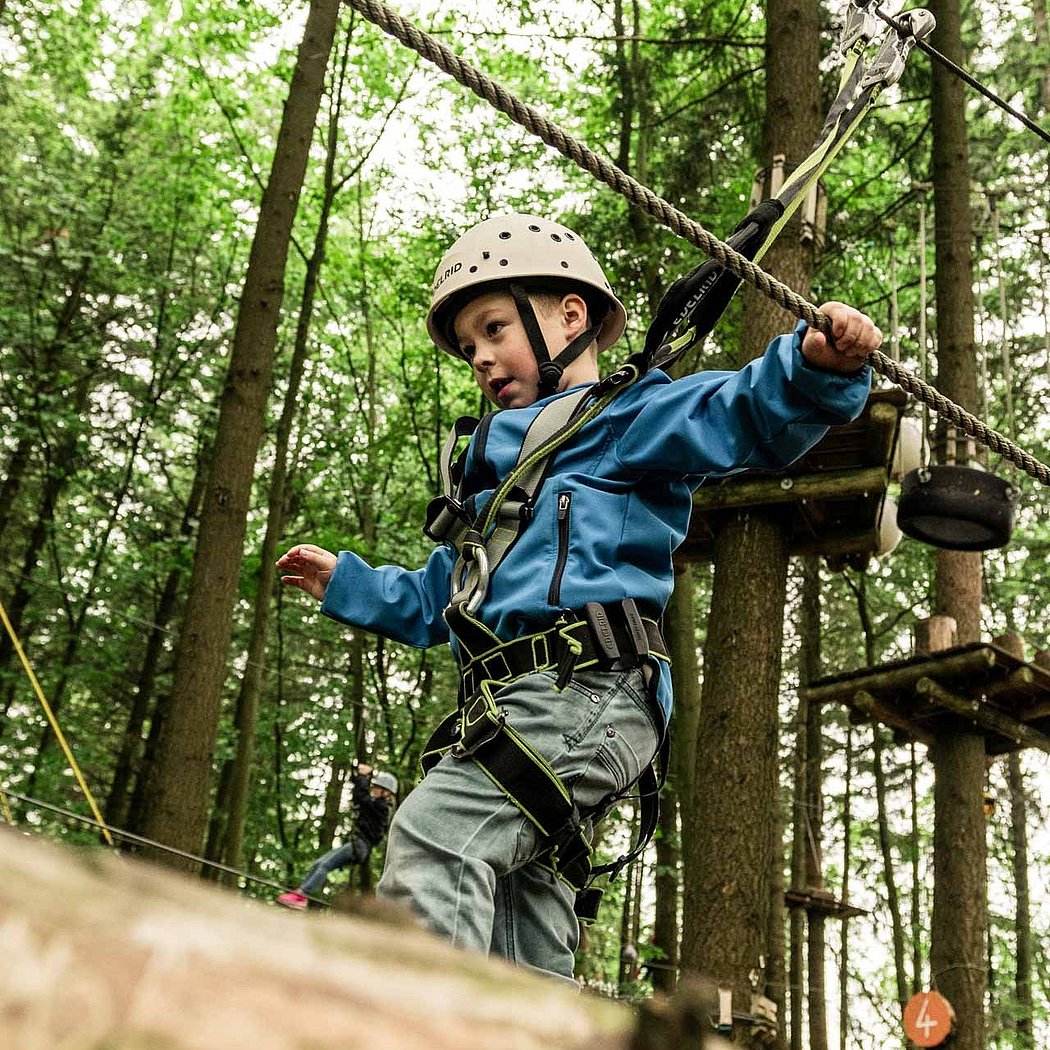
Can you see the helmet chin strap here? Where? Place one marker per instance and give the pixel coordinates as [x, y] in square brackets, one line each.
[551, 370]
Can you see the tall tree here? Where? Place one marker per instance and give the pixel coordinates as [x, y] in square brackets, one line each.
[959, 922]
[733, 850]
[178, 816]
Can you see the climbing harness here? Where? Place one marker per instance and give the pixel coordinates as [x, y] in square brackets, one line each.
[609, 638]
[665, 213]
[606, 637]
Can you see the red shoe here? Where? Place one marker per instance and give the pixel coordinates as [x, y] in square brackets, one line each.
[293, 899]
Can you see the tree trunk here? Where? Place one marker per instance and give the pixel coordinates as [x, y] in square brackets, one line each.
[916, 883]
[812, 813]
[958, 927]
[680, 623]
[847, 860]
[106, 952]
[1023, 915]
[888, 868]
[733, 850]
[736, 759]
[178, 816]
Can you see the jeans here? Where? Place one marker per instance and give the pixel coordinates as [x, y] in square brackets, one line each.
[461, 854]
[355, 851]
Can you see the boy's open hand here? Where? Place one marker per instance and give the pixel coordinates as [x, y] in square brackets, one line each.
[856, 335]
[308, 567]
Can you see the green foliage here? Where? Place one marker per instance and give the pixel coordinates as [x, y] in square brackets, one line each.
[134, 142]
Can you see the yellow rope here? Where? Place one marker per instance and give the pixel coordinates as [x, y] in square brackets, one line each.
[55, 728]
[5, 806]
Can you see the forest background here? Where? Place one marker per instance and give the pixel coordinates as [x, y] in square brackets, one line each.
[135, 139]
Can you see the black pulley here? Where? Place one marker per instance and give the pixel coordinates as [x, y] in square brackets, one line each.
[958, 508]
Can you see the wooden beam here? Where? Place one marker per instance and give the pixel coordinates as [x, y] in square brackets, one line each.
[1019, 684]
[757, 492]
[983, 715]
[882, 428]
[898, 680]
[891, 716]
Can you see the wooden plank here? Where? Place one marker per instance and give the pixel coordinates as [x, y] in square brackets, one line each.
[766, 491]
[983, 715]
[891, 716]
[902, 679]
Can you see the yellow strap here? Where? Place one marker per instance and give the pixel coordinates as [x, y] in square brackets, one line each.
[55, 728]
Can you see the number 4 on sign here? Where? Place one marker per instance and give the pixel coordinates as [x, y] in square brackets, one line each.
[928, 1019]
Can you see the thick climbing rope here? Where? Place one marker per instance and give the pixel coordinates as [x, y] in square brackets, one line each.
[53, 722]
[667, 215]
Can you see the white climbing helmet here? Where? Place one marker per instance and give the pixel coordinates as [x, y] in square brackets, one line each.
[511, 248]
[386, 780]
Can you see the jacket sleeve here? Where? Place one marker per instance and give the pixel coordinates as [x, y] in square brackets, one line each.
[397, 603]
[763, 416]
[359, 789]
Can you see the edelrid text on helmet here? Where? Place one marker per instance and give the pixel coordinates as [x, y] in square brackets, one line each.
[517, 248]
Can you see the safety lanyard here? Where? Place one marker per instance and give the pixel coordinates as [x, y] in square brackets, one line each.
[694, 303]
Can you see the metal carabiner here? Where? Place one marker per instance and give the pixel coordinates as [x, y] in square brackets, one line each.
[888, 67]
[470, 580]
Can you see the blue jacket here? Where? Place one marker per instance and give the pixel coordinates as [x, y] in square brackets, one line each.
[617, 500]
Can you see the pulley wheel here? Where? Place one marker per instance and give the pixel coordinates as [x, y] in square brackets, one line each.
[957, 508]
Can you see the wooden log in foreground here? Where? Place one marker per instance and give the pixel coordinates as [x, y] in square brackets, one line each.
[98, 951]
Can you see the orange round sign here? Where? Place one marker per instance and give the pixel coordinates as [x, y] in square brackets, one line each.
[928, 1019]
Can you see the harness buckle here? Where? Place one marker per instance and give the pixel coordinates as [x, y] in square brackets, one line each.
[635, 628]
[444, 514]
[479, 733]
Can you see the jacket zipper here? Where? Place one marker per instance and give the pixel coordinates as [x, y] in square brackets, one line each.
[564, 505]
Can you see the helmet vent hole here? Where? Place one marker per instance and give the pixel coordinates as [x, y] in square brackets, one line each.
[534, 229]
[473, 269]
[503, 262]
[565, 265]
[504, 235]
[569, 237]
[555, 236]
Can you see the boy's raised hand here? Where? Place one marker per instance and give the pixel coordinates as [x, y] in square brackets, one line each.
[856, 335]
[308, 567]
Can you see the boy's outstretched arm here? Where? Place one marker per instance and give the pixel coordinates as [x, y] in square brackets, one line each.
[307, 567]
[855, 335]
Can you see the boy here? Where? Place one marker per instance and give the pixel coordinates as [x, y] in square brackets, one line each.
[570, 611]
[372, 797]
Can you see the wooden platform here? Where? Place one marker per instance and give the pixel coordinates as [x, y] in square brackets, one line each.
[822, 902]
[831, 498]
[978, 687]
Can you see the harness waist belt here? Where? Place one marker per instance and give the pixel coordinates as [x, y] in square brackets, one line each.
[608, 637]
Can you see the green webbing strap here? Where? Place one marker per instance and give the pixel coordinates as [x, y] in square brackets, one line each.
[550, 421]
